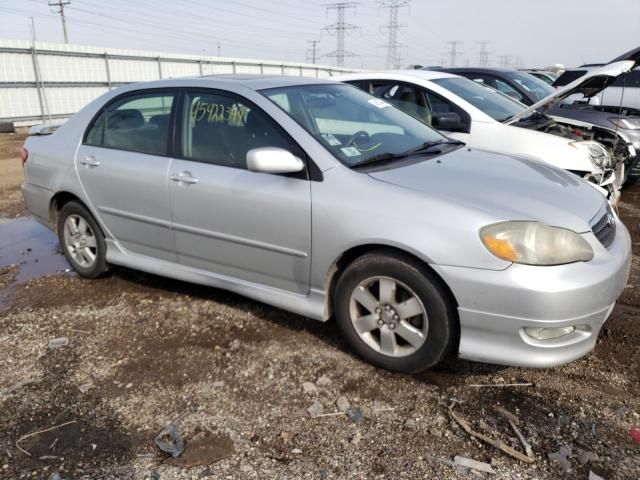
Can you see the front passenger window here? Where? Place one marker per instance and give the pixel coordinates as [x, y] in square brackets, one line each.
[221, 129]
[137, 123]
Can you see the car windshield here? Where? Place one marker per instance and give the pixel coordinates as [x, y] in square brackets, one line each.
[354, 126]
[497, 105]
[536, 87]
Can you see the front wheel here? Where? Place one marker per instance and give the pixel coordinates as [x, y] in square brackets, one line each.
[394, 312]
[82, 240]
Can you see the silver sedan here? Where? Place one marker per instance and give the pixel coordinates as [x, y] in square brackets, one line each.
[317, 198]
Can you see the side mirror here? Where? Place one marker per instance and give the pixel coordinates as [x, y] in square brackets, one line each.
[273, 160]
[449, 121]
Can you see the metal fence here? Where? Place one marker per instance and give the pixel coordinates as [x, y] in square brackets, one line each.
[45, 81]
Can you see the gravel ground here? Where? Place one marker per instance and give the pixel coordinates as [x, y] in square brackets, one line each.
[237, 378]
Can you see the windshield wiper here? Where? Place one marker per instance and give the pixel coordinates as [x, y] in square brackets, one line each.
[425, 148]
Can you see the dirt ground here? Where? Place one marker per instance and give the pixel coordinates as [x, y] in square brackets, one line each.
[145, 351]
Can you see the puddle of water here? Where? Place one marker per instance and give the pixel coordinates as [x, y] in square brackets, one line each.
[32, 247]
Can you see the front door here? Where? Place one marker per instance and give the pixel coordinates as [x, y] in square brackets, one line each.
[249, 226]
[123, 164]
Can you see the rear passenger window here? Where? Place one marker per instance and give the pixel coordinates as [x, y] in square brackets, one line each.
[138, 123]
[221, 129]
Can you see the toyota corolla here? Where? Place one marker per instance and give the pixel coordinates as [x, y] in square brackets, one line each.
[320, 199]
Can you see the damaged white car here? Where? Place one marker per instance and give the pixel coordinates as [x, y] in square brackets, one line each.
[489, 120]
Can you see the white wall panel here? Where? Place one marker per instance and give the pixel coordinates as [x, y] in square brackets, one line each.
[81, 64]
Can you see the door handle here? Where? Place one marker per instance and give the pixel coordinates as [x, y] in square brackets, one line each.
[184, 177]
[90, 161]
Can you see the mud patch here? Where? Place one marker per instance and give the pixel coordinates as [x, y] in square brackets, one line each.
[204, 451]
[32, 248]
[92, 442]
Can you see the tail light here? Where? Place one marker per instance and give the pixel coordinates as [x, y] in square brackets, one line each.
[24, 155]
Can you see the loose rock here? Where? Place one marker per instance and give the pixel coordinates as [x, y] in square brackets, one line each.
[58, 342]
[309, 388]
[316, 408]
[343, 404]
[473, 464]
[323, 381]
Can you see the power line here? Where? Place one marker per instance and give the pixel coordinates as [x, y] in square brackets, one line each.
[61, 4]
[483, 55]
[339, 29]
[453, 52]
[392, 45]
[312, 51]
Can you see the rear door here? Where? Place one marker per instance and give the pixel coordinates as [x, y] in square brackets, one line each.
[123, 164]
[253, 227]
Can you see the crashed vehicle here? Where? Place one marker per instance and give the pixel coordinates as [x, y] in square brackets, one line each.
[487, 119]
[612, 119]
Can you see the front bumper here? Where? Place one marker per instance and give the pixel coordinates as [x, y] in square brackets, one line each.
[495, 307]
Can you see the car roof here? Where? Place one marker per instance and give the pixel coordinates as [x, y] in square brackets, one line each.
[479, 69]
[253, 82]
[423, 74]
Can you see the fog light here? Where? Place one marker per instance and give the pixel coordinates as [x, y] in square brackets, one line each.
[549, 333]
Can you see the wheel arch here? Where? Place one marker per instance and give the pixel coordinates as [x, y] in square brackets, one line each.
[347, 257]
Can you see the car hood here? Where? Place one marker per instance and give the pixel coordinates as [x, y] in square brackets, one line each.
[508, 188]
[590, 84]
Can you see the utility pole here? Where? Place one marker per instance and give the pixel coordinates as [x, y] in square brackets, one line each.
[312, 52]
[392, 45]
[60, 4]
[453, 53]
[339, 29]
[483, 56]
[219, 48]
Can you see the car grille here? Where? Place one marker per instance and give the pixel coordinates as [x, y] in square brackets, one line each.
[605, 228]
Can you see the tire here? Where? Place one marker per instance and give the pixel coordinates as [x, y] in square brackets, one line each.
[418, 291]
[84, 248]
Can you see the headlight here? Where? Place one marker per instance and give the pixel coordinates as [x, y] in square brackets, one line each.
[597, 153]
[628, 123]
[533, 243]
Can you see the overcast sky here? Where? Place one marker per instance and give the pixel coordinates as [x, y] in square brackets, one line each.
[536, 32]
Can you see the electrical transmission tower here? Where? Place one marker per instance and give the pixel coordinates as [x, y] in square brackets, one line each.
[483, 56]
[312, 51]
[393, 46]
[340, 29]
[60, 4]
[453, 53]
[504, 61]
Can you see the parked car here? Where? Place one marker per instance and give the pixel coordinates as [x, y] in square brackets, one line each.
[320, 199]
[520, 86]
[623, 92]
[544, 75]
[482, 117]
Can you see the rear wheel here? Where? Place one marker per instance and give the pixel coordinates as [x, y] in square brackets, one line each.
[82, 240]
[394, 312]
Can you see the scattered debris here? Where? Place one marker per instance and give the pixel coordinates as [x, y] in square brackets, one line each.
[594, 476]
[343, 404]
[29, 435]
[85, 387]
[170, 441]
[309, 388]
[355, 440]
[561, 458]
[218, 383]
[473, 464]
[355, 414]
[587, 457]
[316, 409]
[15, 387]
[323, 381]
[491, 441]
[513, 421]
[634, 433]
[58, 342]
[204, 451]
[296, 451]
[489, 385]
